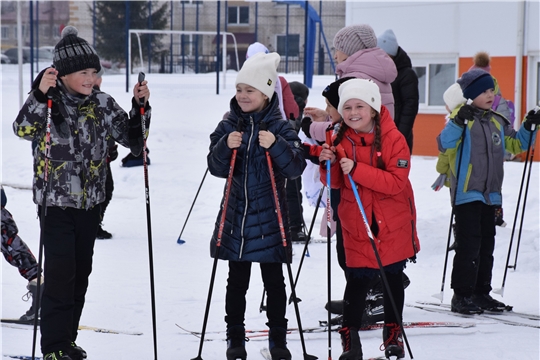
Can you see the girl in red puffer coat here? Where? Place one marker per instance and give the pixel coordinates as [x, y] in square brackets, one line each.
[376, 156]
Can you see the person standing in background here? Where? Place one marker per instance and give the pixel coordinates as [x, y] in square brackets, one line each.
[404, 87]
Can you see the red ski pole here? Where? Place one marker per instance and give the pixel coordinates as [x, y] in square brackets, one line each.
[218, 242]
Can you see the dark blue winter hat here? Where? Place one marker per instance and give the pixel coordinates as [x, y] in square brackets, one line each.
[73, 53]
[474, 82]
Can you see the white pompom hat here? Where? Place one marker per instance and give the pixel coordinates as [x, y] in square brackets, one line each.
[365, 90]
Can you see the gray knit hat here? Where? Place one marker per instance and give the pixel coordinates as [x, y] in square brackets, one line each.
[73, 54]
[388, 42]
[354, 38]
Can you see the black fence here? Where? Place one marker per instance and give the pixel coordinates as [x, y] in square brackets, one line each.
[207, 63]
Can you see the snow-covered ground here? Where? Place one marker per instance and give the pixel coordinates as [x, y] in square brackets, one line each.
[185, 111]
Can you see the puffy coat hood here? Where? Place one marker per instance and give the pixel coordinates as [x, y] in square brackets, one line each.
[372, 64]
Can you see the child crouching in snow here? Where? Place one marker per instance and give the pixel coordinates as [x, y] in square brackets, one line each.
[376, 156]
[251, 231]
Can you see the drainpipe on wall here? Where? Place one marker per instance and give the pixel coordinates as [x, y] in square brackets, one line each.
[519, 63]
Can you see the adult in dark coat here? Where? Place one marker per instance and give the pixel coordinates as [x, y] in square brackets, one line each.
[404, 87]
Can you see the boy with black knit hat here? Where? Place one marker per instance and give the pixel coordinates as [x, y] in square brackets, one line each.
[84, 124]
[475, 140]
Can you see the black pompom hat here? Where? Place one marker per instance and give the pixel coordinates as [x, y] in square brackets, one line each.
[73, 54]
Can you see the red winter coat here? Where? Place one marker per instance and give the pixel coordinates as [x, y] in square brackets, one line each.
[289, 104]
[386, 196]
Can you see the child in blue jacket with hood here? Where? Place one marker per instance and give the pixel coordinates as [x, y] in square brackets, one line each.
[251, 231]
[475, 140]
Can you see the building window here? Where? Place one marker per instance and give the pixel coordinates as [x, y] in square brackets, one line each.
[191, 2]
[5, 32]
[434, 77]
[238, 15]
[294, 45]
[55, 32]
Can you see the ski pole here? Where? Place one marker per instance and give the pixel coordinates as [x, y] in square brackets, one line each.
[440, 296]
[501, 290]
[329, 131]
[532, 145]
[148, 219]
[377, 256]
[263, 127]
[180, 241]
[218, 242]
[37, 298]
[304, 252]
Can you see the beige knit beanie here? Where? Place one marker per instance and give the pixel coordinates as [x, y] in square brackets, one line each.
[260, 72]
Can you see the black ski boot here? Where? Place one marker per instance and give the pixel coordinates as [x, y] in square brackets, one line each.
[297, 234]
[57, 355]
[393, 341]
[236, 343]
[464, 305]
[486, 302]
[31, 295]
[76, 352]
[103, 234]
[336, 307]
[277, 344]
[350, 342]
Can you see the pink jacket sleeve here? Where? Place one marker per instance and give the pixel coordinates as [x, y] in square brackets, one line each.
[317, 129]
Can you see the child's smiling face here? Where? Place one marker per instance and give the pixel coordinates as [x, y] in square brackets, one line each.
[250, 99]
[484, 100]
[358, 115]
[80, 82]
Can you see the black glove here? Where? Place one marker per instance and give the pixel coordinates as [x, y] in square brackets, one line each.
[465, 113]
[532, 118]
[306, 123]
[113, 152]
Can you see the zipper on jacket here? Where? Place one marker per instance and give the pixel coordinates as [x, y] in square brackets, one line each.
[488, 177]
[246, 161]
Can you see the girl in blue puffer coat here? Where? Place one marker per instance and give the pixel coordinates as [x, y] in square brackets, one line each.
[251, 231]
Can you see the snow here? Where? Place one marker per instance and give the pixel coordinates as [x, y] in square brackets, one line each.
[185, 111]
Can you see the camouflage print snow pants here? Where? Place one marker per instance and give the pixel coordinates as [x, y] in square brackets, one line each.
[15, 249]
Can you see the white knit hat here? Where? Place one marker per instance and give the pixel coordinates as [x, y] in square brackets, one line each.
[388, 42]
[365, 90]
[260, 72]
[453, 96]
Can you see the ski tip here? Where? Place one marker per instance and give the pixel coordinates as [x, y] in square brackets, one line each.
[438, 296]
[180, 241]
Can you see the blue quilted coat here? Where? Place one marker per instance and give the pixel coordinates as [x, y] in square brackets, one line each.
[251, 230]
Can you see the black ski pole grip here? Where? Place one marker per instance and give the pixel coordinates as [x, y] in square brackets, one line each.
[141, 79]
[240, 125]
